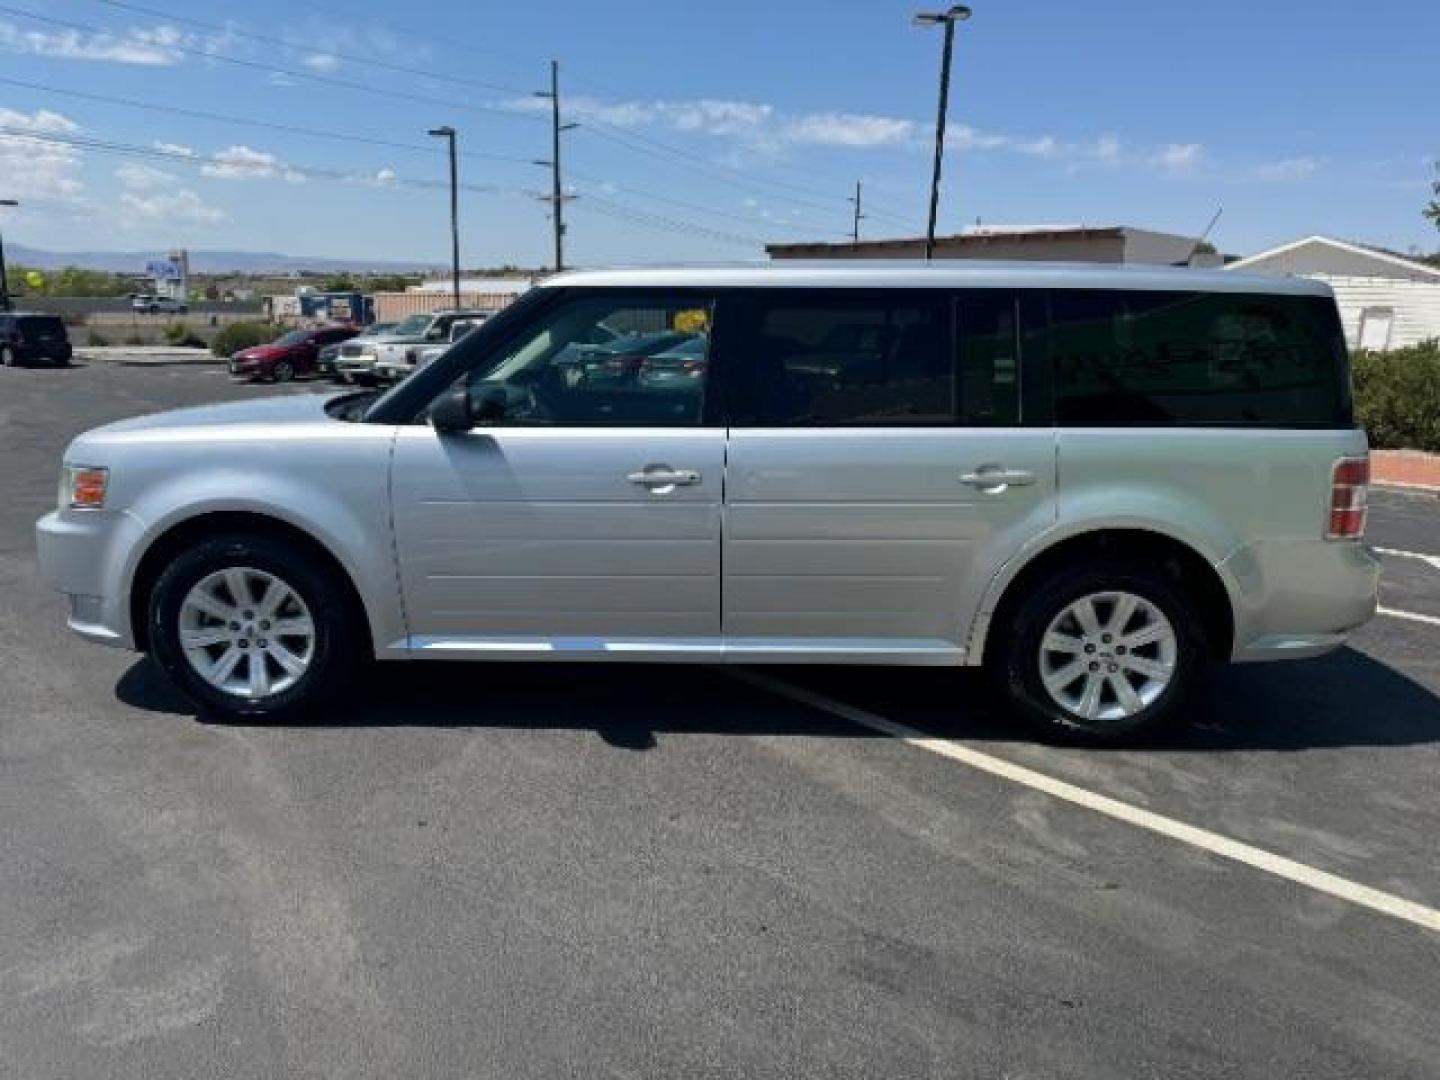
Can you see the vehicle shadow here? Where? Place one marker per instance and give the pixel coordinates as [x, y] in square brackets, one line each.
[1346, 699]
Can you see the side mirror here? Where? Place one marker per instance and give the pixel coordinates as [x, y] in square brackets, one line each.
[451, 413]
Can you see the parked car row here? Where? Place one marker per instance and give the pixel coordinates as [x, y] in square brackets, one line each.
[382, 352]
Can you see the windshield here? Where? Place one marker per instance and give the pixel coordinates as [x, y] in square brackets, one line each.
[412, 325]
[294, 337]
[376, 329]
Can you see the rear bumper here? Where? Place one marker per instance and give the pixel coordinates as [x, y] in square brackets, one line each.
[1300, 598]
[80, 554]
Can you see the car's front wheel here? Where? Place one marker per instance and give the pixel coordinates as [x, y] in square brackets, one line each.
[283, 371]
[1100, 653]
[252, 629]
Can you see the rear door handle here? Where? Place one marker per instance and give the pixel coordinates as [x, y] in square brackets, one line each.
[994, 479]
[661, 479]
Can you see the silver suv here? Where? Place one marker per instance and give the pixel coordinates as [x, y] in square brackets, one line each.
[1091, 481]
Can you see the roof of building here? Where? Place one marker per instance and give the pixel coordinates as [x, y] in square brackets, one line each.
[982, 237]
[1366, 250]
[945, 273]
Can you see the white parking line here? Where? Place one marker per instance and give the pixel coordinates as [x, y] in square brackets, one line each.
[1321, 881]
[1411, 616]
[1433, 560]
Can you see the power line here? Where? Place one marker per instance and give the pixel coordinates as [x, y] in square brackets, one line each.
[372, 61]
[366, 140]
[328, 80]
[290, 129]
[600, 205]
[270, 168]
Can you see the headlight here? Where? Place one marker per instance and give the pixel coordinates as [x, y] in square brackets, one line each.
[82, 487]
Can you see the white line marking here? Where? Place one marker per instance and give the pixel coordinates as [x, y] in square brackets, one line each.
[1411, 616]
[1363, 895]
[1433, 560]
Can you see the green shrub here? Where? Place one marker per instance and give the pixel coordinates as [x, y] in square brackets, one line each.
[1397, 397]
[179, 333]
[97, 339]
[134, 339]
[243, 335]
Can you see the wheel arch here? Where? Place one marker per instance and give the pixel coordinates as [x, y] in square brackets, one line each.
[182, 534]
[1191, 571]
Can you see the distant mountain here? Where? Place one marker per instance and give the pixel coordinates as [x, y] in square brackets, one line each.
[207, 262]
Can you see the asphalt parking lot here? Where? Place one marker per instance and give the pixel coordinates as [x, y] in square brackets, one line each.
[519, 871]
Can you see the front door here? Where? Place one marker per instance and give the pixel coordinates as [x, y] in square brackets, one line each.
[876, 467]
[583, 515]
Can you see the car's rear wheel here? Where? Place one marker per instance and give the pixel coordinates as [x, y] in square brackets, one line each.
[283, 371]
[1100, 653]
[251, 629]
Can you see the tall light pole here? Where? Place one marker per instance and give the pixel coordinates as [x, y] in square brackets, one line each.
[448, 132]
[947, 19]
[859, 214]
[4, 280]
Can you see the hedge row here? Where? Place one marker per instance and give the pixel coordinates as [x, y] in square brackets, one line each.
[1397, 397]
[243, 335]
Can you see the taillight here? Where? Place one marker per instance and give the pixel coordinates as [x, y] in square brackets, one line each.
[1349, 500]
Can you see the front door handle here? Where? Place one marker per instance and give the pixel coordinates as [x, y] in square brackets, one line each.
[994, 479]
[661, 479]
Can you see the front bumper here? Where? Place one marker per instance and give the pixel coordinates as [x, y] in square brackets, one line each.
[80, 553]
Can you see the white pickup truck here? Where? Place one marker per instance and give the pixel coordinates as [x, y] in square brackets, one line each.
[386, 356]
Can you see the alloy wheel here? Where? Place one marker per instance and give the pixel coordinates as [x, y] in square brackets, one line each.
[1108, 656]
[246, 632]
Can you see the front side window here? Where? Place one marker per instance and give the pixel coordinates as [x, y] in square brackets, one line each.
[1157, 358]
[411, 325]
[850, 360]
[602, 361]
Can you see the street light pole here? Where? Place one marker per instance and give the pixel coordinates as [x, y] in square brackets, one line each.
[4, 280]
[448, 132]
[948, 19]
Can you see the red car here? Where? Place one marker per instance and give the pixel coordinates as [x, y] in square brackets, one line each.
[295, 353]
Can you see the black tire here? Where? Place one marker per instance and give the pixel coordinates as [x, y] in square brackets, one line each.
[283, 371]
[339, 627]
[1014, 657]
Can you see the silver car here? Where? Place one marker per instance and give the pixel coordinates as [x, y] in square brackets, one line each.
[1091, 481]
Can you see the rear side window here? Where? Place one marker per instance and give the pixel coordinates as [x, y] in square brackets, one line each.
[41, 326]
[988, 350]
[1158, 358]
[862, 359]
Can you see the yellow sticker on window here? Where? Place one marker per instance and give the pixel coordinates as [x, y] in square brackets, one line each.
[694, 321]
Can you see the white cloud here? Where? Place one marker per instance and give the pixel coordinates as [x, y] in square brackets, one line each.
[848, 129]
[1287, 169]
[1180, 159]
[176, 149]
[156, 46]
[242, 163]
[36, 170]
[385, 178]
[179, 206]
[322, 62]
[136, 177]
[1107, 149]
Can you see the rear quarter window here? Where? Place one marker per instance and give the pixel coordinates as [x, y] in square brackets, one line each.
[49, 326]
[1182, 358]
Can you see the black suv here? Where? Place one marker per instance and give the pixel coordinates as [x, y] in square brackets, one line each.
[26, 338]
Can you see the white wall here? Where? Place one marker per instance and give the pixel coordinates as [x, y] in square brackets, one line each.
[1416, 305]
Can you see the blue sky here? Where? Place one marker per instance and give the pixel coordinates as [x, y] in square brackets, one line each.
[706, 129]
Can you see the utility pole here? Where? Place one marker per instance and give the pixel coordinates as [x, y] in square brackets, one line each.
[448, 132]
[859, 217]
[557, 197]
[4, 280]
[947, 19]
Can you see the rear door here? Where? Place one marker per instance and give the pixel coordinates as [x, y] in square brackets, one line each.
[878, 467]
[583, 517]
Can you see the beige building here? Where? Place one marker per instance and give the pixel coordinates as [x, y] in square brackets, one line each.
[1101, 244]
